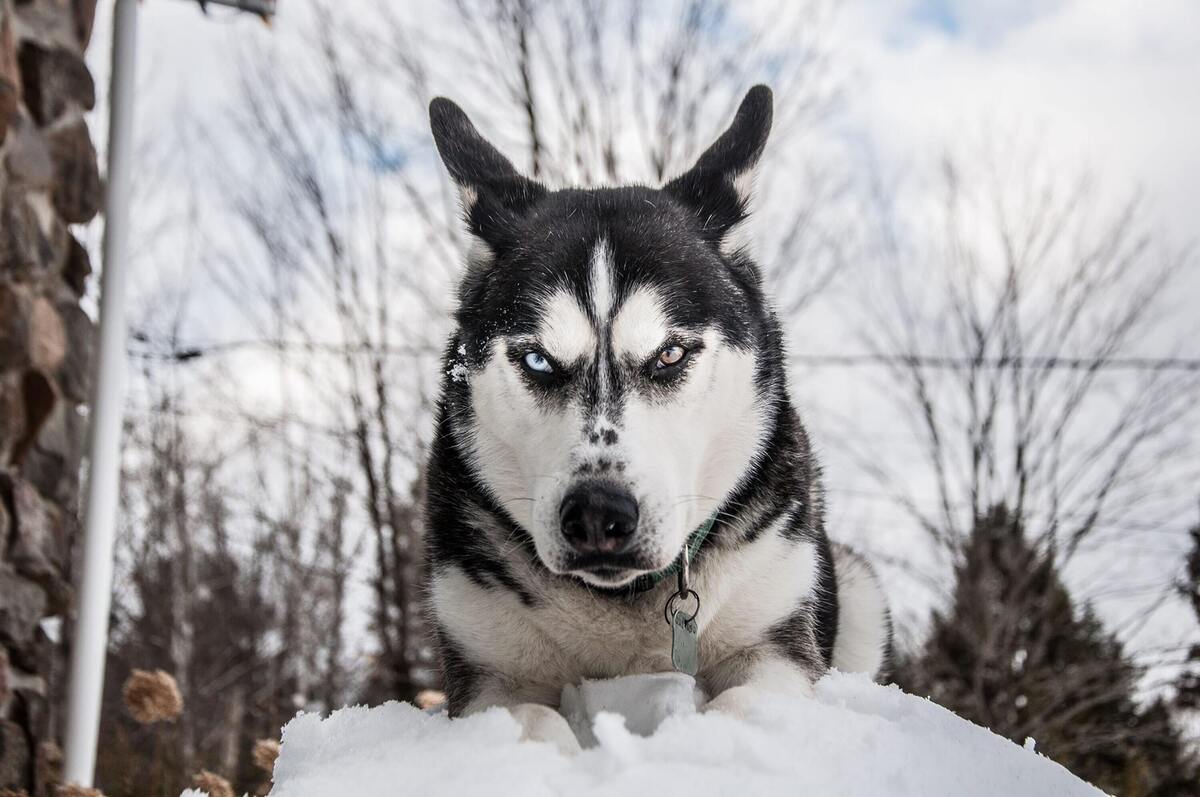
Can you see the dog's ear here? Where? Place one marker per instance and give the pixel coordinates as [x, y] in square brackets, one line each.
[493, 193]
[718, 187]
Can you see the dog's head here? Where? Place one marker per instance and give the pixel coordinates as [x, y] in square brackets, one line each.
[615, 363]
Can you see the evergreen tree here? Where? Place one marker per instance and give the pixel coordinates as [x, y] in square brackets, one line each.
[1012, 653]
[1188, 687]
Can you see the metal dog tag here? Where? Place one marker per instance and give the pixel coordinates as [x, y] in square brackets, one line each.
[685, 643]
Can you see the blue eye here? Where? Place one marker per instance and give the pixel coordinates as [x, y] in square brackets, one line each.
[536, 361]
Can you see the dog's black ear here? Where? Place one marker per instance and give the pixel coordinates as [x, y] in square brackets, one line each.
[493, 193]
[718, 187]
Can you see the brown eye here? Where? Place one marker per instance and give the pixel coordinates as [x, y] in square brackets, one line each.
[672, 355]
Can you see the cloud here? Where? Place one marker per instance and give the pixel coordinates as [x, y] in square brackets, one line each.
[1100, 83]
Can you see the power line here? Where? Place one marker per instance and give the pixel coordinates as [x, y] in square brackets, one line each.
[189, 353]
[1033, 363]
[263, 8]
[935, 362]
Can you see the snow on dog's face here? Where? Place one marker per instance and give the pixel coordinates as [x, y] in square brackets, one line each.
[611, 374]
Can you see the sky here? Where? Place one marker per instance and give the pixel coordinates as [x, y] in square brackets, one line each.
[1109, 84]
[1104, 85]
[1099, 85]
[1109, 81]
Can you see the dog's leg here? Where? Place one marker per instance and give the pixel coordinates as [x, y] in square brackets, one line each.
[742, 682]
[539, 722]
[543, 724]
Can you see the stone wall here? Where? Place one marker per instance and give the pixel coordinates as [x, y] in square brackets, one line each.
[48, 182]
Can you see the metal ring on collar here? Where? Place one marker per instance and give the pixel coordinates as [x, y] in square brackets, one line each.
[667, 609]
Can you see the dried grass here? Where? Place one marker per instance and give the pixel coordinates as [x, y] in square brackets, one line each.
[264, 754]
[213, 784]
[428, 698]
[72, 790]
[152, 696]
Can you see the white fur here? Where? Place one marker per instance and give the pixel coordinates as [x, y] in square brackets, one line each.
[743, 184]
[740, 237]
[750, 590]
[689, 452]
[863, 624]
[640, 326]
[532, 651]
[681, 456]
[762, 679]
[479, 255]
[566, 333]
[522, 450]
[601, 291]
[541, 723]
[601, 281]
[468, 196]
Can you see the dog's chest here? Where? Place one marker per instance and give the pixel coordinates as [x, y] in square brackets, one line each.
[570, 634]
[604, 641]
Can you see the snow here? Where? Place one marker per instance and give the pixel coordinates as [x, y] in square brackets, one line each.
[643, 701]
[854, 737]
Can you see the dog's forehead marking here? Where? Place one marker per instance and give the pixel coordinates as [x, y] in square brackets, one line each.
[600, 288]
[600, 281]
[640, 326]
[565, 331]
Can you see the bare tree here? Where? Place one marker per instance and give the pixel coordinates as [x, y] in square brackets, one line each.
[257, 632]
[340, 240]
[1015, 320]
[609, 92]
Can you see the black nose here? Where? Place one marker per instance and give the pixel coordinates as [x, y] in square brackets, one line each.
[596, 517]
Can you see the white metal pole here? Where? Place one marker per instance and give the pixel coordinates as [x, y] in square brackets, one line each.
[90, 640]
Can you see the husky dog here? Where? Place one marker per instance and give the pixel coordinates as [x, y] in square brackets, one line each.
[615, 390]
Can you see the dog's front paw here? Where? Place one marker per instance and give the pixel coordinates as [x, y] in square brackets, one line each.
[736, 702]
[742, 701]
[543, 724]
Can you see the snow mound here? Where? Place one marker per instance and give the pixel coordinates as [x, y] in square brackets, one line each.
[855, 738]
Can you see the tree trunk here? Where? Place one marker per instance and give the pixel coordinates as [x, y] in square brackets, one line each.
[235, 713]
[183, 585]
